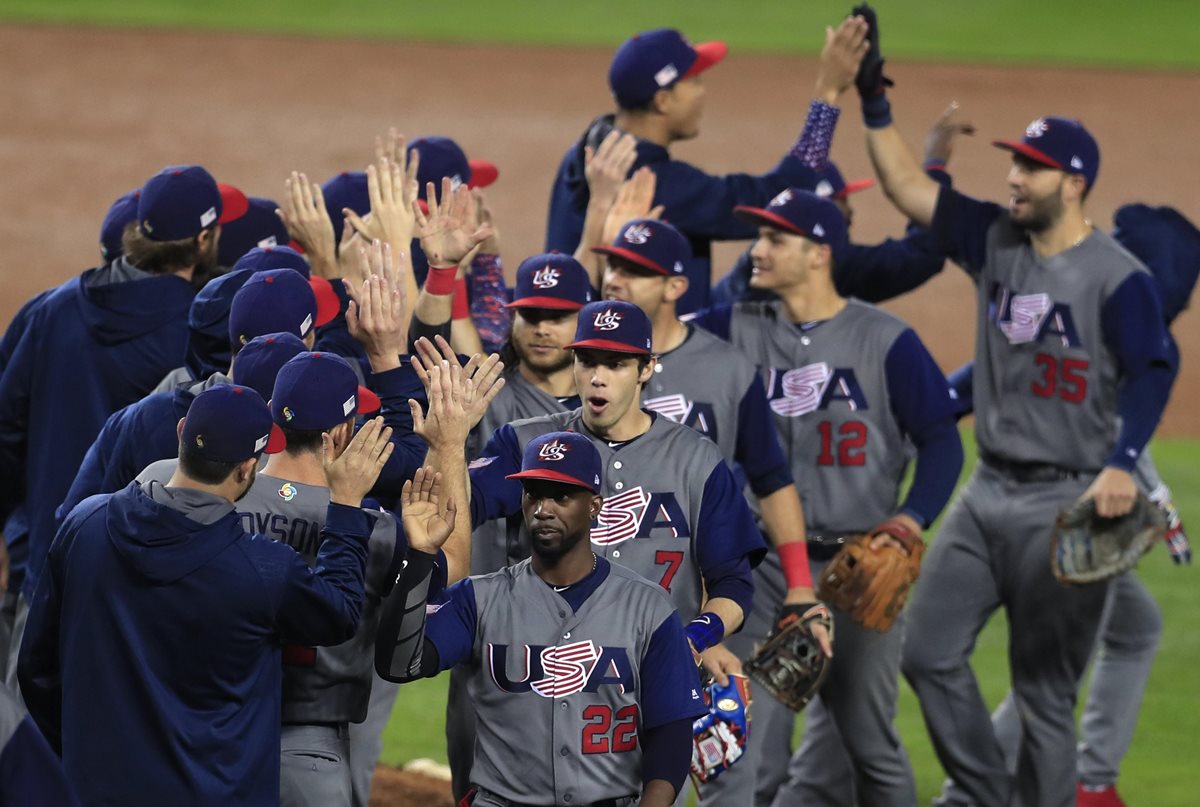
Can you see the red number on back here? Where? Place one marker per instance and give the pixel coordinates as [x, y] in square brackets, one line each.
[672, 560]
[850, 448]
[599, 717]
[1072, 372]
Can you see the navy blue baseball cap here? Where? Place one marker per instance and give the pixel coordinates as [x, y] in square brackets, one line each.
[802, 213]
[270, 302]
[566, 457]
[258, 363]
[831, 185]
[261, 259]
[230, 423]
[346, 190]
[652, 244]
[259, 226]
[317, 391]
[442, 157]
[653, 60]
[552, 280]
[1058, 143]
[112, 230]
[182, 200]
[613, 325]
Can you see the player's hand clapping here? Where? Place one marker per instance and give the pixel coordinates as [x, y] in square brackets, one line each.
[450, 230]
[307, 221]
[392, 189]
[844, 49]
[353, 474]
[481, 377]
[428, 515]
[635, 200]
[607, 166]
[379, 307]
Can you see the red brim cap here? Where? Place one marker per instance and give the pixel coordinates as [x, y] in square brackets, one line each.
[1037, 155]
[707, 55]
[756, 215]
[234, 203]
[276, 442]
[483, 173]
[550, 476]
[556, 303]
[368, 401]
[632, 257]
[855, 187]
[606, 344]
[328, 304]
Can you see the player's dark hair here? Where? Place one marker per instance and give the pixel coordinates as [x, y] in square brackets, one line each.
[202, 469]
[508, 353]
[301, 441]
[161, 257]
[644, 108]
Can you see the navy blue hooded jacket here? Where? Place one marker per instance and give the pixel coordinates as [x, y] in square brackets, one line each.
[700, 205]
[98, 342]
[152, 654]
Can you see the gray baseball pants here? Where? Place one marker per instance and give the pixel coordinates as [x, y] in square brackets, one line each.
[993, 551]
[366, 739]
[314, 766]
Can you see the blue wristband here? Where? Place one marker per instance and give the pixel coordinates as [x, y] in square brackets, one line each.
[877, 111]
[705, 631]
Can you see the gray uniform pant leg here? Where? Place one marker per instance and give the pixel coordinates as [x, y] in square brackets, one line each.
[1006, 722]
[1129, 642]
[460, 731]
[366, 739]
[1052, 631]
[20, 617]
[956, 594]
[8, 618]
[314, 766]
[860, 695]
[822, 769]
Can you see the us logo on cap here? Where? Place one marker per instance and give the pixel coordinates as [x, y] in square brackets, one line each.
[638, 234]
[1036, 129]
[783, 198]
[546, 277]
[553, 452]
[607, 320]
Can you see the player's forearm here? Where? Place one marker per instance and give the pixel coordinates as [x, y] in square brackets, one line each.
[400, 640]
[451, 462]
[464, 338]
[435, 299]
[783, 517]
[904, 182]
[657, 793]
[728, 610]
[593, 236]
[666, 757]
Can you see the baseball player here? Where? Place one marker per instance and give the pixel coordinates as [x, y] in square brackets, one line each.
[152, 657]
[260, 227]
[1070, 336]
[728, 404]
[656, 82]
[674, 512]
[98, 342]
[851, 388]
[580, 670]
[550, 289]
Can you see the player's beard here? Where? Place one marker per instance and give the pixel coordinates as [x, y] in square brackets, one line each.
[554, 363]
[1042, 214]
[206, 265]
[553, 554]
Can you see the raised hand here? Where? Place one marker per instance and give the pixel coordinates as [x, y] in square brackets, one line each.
[353, 474]
[482, 377]
[392, 189]
[870, 79]
[379, 308]
[939, 143]
[844, 49]
[445, 426]
[427, 514]
[484, 219]
[449, 230]
[634, 201]
[307, 221]
[607, 166]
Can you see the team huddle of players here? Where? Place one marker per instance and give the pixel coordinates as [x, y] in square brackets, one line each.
[256, 483]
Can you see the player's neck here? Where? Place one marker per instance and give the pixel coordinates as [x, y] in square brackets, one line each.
[651, 128]
[1068, 232]
[813, 301]
[559, 383]
[568, 569]
[633, 423]
[669, 332]
[304, 468]
[228, 490]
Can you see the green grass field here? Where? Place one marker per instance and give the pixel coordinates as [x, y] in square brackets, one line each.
[1155, 772]
[1160, 33]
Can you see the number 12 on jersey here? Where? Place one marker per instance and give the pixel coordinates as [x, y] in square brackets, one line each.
[845, 445]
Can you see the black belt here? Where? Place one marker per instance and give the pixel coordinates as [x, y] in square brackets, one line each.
[1028, 472]
[494, 796]
[823, 546]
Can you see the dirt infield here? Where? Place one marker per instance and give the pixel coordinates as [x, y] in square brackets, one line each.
[81, 130]
[393, 787]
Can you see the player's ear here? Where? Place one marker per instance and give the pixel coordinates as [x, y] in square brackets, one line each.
[647, 370]
[1075, 188]
[677, 286]
[663, 100]
[245, 469]
[179, 429]
[596, 505]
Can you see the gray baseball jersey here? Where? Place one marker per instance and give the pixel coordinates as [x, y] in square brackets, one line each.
[672, 509]
[828, 390]
[1045, 381]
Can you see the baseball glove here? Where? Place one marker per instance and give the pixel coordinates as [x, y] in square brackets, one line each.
[1086, 548]
[790, 664]
[871, 585]
[719, 737]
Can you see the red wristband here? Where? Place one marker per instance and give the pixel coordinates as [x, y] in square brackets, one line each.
[793, 558]
[440, 280]
[460, 306]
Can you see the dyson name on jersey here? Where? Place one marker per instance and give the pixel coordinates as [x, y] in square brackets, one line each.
[1025, 318]
[556, 672]
[813, 387]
